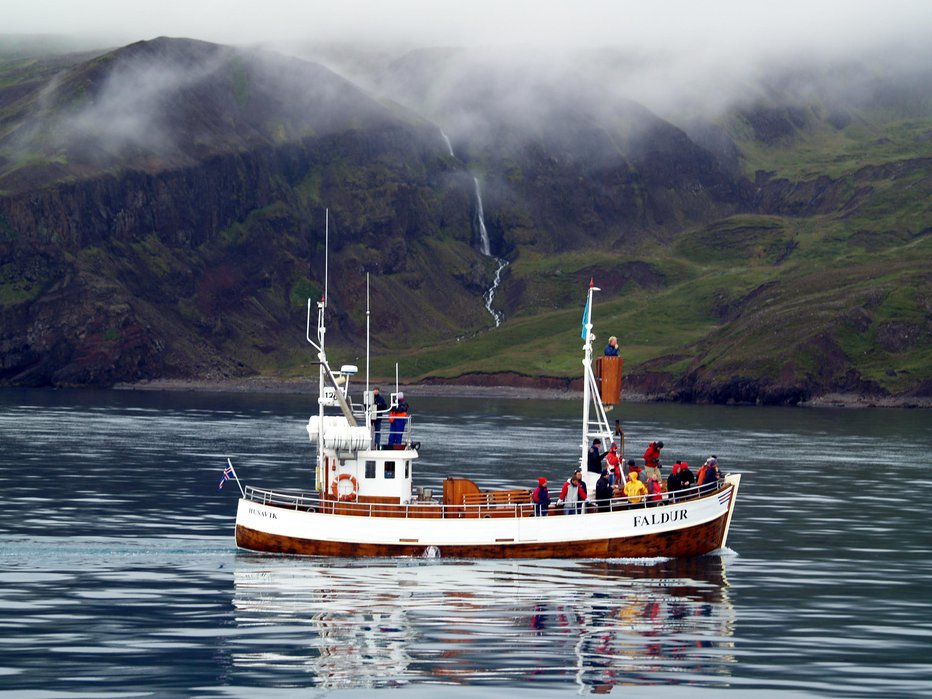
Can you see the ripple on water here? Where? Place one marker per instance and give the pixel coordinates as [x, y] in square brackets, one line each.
[117, 552]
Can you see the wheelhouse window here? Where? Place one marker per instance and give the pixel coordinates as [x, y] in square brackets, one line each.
[370, 469]
[407, 469]
[389, 469]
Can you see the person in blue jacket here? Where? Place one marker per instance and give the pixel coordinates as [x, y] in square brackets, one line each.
[611, 349]
[541, 498]
[398, 419]
[381, 407]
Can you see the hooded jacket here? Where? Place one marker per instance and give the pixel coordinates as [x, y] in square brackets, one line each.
[655, 490]
[634, 489]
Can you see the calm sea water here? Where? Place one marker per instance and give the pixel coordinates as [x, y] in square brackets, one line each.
[119, 577]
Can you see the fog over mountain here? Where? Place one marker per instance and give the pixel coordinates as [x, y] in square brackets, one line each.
[672, 57]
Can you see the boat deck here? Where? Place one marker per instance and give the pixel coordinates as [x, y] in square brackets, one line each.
[485, 504]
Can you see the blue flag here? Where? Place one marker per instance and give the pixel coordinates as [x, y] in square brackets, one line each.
[585, 316]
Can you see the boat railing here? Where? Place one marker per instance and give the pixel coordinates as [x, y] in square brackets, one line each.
[393, 432]
[313, 502]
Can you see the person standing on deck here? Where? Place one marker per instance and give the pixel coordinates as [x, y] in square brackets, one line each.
[655, 491]
[594, 459]
[398, 420]
[687, 479]
[614, 464]
[380, 408]
[574, 494]
[632, 467]
[603, 492]
[541, 498]
[652, 460]
[611, 349]
[708, 476]
[634, 489]
[673, 480]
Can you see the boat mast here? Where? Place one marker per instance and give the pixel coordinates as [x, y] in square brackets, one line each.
[587, 368]
[321, 353]
[367, 338]
[591, 394]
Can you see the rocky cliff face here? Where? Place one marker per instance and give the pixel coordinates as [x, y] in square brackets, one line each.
[138, 276]
[202, 265]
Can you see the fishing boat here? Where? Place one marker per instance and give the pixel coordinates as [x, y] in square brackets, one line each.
[365, 502]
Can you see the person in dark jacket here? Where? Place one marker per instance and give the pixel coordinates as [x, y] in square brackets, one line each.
[594, 458]
[603, 491]
[541, 498]
[708, 476]
[687, 479]
[380, 408]
[673, 480]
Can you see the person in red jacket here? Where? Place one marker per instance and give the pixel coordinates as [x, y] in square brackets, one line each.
[574, 494]
[652, 460]
[654, 492]
[614, 464]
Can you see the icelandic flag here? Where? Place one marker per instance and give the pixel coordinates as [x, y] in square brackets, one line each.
[227, 474]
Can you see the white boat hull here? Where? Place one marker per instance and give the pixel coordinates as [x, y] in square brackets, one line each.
[687, 528]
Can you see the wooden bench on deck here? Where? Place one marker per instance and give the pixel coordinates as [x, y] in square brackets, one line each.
[498, 503]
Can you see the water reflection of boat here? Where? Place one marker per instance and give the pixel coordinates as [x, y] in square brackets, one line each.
[393, 622]
[365, 504]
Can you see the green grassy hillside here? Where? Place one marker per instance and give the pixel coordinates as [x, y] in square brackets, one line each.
[161, 215]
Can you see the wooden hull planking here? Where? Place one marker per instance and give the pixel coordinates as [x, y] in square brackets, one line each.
[689, 541]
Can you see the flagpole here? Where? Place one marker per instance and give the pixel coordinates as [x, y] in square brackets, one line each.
[241, 491]
[587, 360]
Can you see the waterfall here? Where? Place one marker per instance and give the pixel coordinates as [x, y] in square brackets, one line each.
[483, 233]
[486, 249]
[446, 139]
[490, 294]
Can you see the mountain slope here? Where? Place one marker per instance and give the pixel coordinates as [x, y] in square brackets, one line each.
[161, 215]
[186, 243]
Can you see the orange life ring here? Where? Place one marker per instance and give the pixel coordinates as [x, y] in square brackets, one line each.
[335, 488]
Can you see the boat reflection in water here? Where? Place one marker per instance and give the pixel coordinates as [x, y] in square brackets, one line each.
[392, 622]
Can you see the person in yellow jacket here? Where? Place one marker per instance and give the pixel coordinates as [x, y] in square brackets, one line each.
[634, 489]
